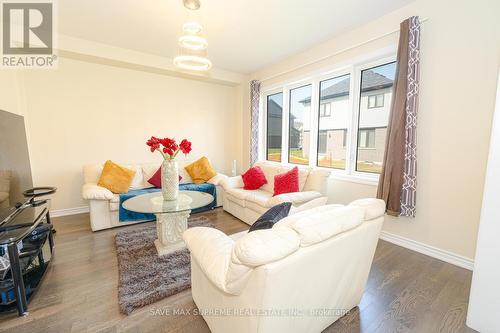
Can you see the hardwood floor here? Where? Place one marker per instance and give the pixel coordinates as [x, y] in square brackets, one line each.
[406, 291]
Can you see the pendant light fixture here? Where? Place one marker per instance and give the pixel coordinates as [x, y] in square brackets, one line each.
[192, 45]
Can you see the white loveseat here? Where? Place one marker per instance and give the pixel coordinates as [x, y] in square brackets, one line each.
[104, 205]
[249, 205]
[316, 260]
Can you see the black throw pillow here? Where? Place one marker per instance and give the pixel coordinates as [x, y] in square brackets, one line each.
[273, 215]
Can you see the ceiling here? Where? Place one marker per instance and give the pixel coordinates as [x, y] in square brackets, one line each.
[243, 35]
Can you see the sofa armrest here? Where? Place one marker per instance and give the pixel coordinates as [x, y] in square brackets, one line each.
[374, 208]
[232, 182]
[211, 249]
[217, 179]
[92, 191]
[296, 198]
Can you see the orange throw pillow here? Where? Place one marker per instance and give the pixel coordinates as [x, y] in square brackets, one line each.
[201, 171]
[116, 178]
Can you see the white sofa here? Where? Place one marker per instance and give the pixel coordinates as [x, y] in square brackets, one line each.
[274, 280]
[104, 204]
[249, 205]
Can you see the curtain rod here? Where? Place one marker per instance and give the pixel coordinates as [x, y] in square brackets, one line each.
[334, 54]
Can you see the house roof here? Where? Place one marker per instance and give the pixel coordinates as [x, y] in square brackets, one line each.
[274, 109]
[371, 81]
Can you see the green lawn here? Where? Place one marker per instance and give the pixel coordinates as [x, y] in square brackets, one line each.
[297, 158]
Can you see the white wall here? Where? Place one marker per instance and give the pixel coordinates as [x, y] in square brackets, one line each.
[484, 301]
[460, 52]
[86, 112]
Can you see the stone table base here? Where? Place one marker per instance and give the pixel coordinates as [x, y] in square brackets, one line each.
[169, 228]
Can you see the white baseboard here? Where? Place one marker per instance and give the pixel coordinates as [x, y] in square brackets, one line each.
[69, 211]
[449, 257]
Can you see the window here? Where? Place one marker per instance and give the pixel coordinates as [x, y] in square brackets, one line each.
[372, 127]
[322, 138]
[335, 120]
[325, 110]
[335, 93]
[299, 127]
[274, 107]
[366, 138]
[375, 101]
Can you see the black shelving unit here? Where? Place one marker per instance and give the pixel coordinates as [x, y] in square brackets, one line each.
[26, 234]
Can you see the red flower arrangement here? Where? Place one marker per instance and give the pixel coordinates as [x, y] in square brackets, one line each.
[168, 148]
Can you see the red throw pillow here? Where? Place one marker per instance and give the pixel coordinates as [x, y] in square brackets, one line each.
[254, 178]
[286, 182]
[155, 180]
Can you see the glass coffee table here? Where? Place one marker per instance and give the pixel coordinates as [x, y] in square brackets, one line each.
[171, 216]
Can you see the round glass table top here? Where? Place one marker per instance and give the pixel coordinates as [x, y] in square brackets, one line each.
[154, 203]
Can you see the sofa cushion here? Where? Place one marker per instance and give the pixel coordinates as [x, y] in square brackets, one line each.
[155, 180]
[259, 197]
[316, 227]
[317, 180]
[200, 171]
[270, 170]
[116, 178]
[137, 180]
[148, 170]
[256, 207]
[287, 182]
[265, 246]
[271, 216]
[236, 195]
[253, 178]
[303, 174]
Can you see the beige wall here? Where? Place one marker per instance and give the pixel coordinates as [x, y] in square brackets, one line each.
[85, 112]
[10, 92]
[460, 53]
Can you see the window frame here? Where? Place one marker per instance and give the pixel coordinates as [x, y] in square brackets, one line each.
[376, 97]
[367, 138]
[290, 124]
[266, 129]
[325, 114]
[356, 113]
[353, 68]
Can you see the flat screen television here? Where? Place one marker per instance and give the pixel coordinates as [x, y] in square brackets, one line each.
[15, 168]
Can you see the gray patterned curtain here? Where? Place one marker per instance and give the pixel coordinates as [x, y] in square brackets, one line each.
[254, 108]
[398, 180]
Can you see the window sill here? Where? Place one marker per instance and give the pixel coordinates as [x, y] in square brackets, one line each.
[338, 174]
[371, 181]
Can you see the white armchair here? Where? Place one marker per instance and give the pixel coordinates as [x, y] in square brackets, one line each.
[316, 259]
[249, 205]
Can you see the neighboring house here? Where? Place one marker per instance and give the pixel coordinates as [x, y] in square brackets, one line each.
[274, 127]
[335, 114]
[274, 124]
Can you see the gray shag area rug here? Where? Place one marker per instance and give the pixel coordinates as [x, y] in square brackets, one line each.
[144, 277]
